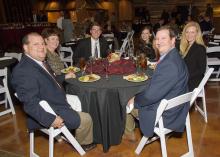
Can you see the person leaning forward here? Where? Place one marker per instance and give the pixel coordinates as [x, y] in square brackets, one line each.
[169, 80]
[33, 83]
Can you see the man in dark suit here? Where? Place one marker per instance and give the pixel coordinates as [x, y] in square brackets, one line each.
[33, 82]
[95, 46]
[169, 80]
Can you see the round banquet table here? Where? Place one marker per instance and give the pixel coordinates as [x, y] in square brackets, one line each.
[106, 100]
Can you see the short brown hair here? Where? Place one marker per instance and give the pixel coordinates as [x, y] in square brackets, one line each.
[25, 39]
[47, 32]
[172, 33]
[95, 24]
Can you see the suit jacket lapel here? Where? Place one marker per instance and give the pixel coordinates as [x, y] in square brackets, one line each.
[33, 63]
[89, 46]
[101, 47]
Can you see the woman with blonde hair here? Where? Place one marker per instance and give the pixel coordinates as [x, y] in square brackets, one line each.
[193, 51]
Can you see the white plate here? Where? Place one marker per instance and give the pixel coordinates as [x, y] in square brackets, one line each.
[89, 78]
[71, 68]
[135, 78]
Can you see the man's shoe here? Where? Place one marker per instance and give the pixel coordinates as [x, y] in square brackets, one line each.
[89, 147]
[129, 137]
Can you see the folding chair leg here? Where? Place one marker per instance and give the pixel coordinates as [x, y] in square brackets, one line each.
[189, 139]
[32, 154]
[163, 145]
[204, 108]
[72, 140]
[10, 102]
[51, 142]
[141, 145]
[6, 102]
[218, 73]
[202, 111]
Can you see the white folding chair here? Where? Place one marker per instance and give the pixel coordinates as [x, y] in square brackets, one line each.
[53, 133]
[201, 94]
[205, 32]
[161, 131]
[128, 44]
[66, 55]
[213, 43]
[124, 45]
[217, 41]
[109, 35]
[214, 62]
[4, 90]
[216, 36]
[14, 55]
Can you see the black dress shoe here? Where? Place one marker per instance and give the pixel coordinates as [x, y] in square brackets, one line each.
[89, 147]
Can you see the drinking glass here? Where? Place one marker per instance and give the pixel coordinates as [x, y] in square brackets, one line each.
[82, 65]
[143, 62]
[91, 60]
[106, 70]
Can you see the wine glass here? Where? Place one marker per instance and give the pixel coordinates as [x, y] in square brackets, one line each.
[143, 62]
[106, 69]
[91, 60]
[82, 65]
[136, 60]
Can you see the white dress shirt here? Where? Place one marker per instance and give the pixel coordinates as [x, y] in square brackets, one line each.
[93, 44]
[59, 22]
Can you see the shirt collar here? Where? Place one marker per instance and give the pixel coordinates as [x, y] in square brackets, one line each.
[94, 41]
[164, 54]
[38, 62]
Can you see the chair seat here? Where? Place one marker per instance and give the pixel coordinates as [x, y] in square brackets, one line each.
[213, 61]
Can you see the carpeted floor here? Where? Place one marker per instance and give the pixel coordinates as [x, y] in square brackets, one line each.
[4, 153]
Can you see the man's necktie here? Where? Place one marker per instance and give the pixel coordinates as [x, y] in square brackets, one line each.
[96, 50]
[51, 73]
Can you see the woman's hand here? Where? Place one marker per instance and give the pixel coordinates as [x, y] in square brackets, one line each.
[70, 75]
[131, 101]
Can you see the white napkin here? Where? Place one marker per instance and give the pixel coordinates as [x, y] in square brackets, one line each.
[129, 108]
[5, 58]
[151, 63]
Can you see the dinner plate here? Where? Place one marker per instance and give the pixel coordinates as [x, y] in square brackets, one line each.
[89, 78]
[71, 68]
[135, 78]
[152, 66]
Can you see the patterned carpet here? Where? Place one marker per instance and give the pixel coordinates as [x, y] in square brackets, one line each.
[4, 153]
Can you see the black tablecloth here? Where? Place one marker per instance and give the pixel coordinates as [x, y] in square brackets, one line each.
[106, 102]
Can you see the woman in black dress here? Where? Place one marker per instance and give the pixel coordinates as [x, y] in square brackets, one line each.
[145, 44]
[193, 51]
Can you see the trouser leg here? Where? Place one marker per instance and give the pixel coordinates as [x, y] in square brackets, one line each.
[130, 121]
[84, 133]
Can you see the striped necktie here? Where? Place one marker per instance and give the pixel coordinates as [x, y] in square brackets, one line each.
[51, 73]
[96, 50]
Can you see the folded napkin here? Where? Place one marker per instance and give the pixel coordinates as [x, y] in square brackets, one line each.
[122, 66]
[102, 67]
[5, 58]
[129, 108]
